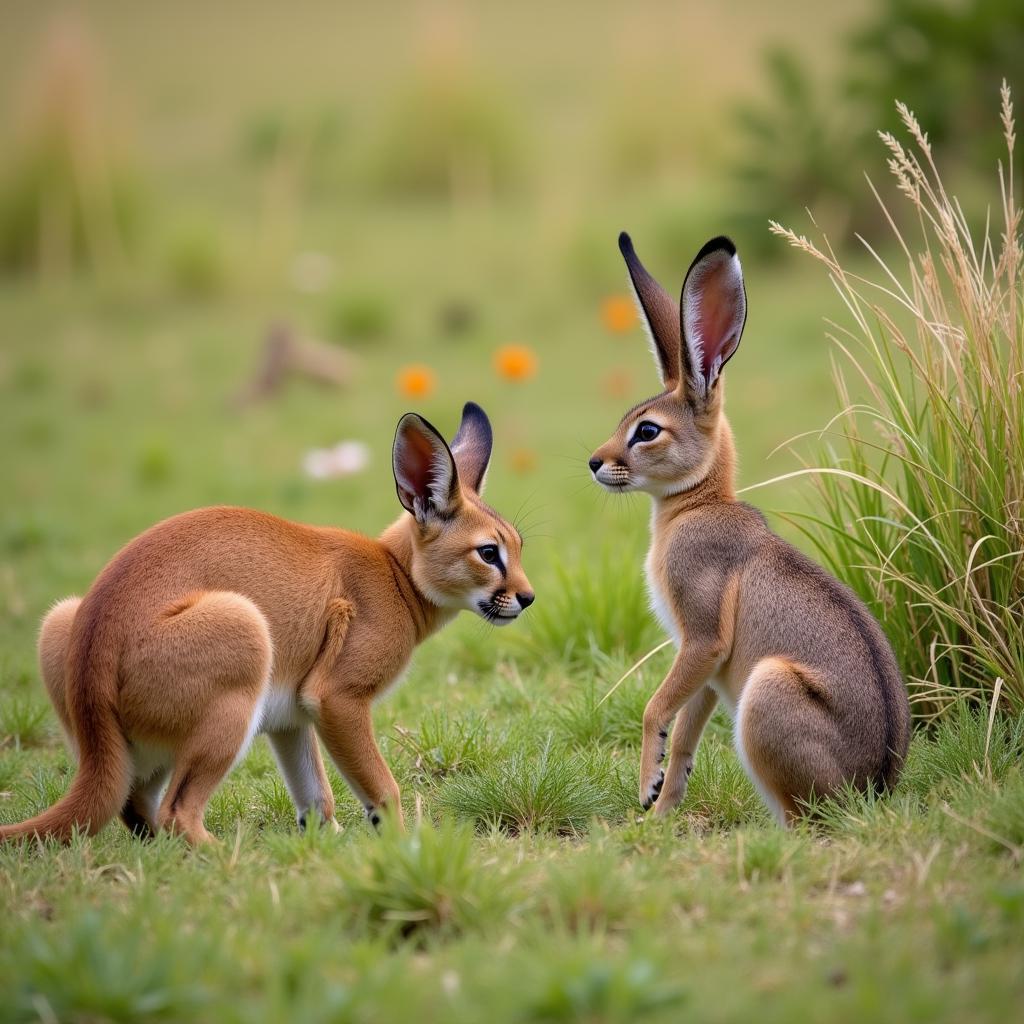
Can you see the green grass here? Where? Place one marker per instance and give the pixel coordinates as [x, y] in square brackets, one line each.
[530, 887]
[629, 919]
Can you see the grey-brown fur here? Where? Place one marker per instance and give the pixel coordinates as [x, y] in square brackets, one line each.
[817, 697]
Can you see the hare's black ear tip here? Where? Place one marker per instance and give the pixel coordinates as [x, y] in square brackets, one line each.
[625, 243]
[475, 419]
[720, 243]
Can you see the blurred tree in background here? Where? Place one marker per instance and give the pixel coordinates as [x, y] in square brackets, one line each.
[806, 142]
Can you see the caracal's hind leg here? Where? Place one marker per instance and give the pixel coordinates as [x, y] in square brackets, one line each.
[194, 682]
[302, 766]
[786, 737]
[52, 647]
[139, 811]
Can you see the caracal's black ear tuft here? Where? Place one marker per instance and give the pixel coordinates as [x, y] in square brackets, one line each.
[425, 473]
[714, 310]
[659, 313]
[471, 446]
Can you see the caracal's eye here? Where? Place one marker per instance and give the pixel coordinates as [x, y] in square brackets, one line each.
[646, 431]
[489, 553]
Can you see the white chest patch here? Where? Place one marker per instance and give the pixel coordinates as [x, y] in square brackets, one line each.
[660, 604]
[280, 711]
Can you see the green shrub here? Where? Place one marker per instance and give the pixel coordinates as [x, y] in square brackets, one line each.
[426, 882]
[527, 786]
[795, 153]
[921, 495]
[962, 746]
[945, 61]
[805, 138]
[445, 744]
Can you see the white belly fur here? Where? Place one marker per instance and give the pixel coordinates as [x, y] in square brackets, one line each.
[280, 711]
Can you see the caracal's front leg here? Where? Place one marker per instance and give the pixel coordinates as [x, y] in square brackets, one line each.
[686, 735]
[695, 663]
[346, 727]
[298, 757]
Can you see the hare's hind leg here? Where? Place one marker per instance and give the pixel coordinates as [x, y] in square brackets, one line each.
[786, 737]
[195, 682]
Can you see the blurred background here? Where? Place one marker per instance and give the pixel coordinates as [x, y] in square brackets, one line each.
[238, 240]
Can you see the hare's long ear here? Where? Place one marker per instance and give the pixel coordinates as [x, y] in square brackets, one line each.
[659, 313]
[425, 473]
[714, 309]
[471, 446]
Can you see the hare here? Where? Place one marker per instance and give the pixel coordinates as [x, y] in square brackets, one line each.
[811, 682]
[222, 623]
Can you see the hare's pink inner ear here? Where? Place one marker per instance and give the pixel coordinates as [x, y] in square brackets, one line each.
[714, 309]
[471, 446]
[425, 474]
[659, 313]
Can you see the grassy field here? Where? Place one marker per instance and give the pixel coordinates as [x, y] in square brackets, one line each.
[529, 888]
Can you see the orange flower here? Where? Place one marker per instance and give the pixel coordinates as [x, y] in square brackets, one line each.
[515, 362]
[618, 314]
[416, 381]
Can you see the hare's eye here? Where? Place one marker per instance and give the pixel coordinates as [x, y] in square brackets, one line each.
[489, 553]
[646, 431]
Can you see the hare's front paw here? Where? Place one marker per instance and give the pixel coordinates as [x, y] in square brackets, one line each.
[652, 775]
[651, 787]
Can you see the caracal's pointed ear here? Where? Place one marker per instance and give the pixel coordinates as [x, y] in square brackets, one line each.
[425, 473]
[471, 446]
[714, 310]
[659, 313]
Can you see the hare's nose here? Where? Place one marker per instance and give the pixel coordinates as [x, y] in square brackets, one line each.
[595, 464]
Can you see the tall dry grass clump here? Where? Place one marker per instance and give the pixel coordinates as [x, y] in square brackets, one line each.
[921, 497]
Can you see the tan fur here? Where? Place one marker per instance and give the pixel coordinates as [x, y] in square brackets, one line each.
[224, 622]
[807, 673]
